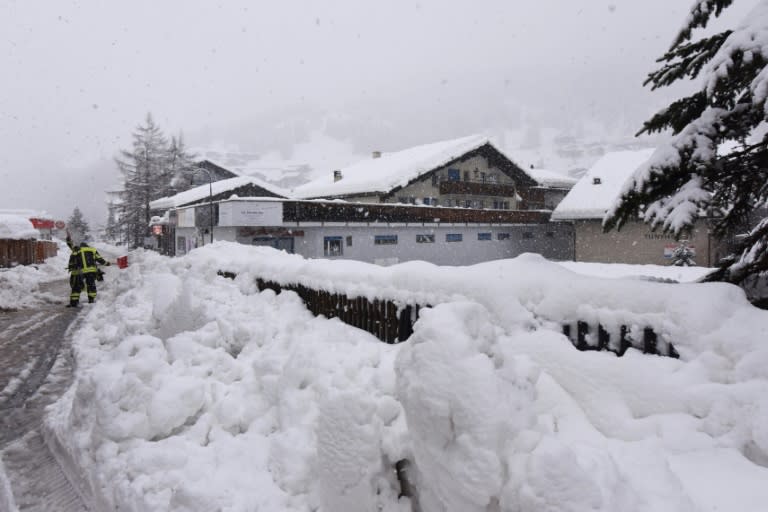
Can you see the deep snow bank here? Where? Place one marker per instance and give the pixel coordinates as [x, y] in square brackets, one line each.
[200, 393]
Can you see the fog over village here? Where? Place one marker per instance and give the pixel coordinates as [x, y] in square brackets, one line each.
[267, 78]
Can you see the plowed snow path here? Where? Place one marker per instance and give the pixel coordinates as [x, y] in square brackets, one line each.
[35, 369]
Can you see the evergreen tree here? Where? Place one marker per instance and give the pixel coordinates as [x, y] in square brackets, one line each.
[77, 226]
[179, 163]
[692, 172]
[112, 230]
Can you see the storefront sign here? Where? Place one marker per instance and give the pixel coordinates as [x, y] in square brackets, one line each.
[186, 218]
[250, 213]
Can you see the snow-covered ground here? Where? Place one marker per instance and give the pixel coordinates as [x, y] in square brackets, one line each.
[195, 392]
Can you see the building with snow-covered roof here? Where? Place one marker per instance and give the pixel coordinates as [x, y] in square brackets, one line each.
[588, 201]
[21, 242]
[379, 233]
[469, 172]
[209, 195]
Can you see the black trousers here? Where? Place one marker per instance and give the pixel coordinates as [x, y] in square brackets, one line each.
[79, 281]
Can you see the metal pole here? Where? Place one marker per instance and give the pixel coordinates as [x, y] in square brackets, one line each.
[210, 201]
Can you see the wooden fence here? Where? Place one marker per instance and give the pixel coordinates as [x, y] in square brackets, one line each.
[622, 339]
[392, 322]
[25, 252]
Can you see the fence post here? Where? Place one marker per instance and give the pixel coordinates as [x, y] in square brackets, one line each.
[582, 329]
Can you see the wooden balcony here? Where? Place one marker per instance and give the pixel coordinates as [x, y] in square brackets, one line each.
[312, 211]
[474, 188]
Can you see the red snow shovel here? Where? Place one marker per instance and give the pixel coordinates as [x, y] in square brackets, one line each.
[122, 262]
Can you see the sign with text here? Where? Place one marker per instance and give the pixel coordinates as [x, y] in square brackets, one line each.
[186, 218]
[251, 213]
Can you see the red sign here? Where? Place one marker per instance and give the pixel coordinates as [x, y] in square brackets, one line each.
[42, 223]
[60, 224]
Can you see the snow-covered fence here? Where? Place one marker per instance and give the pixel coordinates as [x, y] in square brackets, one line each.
[385, 319]
[618, 339]
[25, 252]
[392, 322]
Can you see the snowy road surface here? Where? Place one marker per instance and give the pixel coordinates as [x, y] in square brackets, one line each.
[35, 369]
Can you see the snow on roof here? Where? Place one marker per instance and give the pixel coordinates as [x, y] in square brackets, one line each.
[29, 214]
[390, 170]
[16, 227]
[597, 190]
[547, 178]
[218, 187]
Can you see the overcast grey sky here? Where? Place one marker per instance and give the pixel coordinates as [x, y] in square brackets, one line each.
[78, 76]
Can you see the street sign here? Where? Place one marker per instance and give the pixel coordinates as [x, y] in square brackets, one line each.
[60, 224]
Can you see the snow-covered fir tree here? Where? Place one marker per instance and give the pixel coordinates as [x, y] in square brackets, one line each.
[148, 170]
[77, 226]
[717, 158]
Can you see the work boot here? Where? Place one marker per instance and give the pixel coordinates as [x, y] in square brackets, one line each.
[72, 304]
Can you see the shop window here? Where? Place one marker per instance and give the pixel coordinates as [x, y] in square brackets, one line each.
[454, 237]
[425, 239]
[385, 239]
[484, 236]
[332, 246]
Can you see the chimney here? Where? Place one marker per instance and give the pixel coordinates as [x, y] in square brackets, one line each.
[336, 175]
[377, 154]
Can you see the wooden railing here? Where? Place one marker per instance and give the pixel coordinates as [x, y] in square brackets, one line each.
[393, 322]
[25, 252]
[586, 338]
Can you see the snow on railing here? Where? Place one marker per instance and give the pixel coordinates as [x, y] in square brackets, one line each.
[392, 321]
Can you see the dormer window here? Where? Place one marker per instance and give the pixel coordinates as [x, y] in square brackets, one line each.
[596, 181]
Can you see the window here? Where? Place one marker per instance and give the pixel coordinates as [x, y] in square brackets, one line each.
[550, 234]
[467, 204]
[349, 241]
[484, 236]
[466, 175]
[482, 203]
[332, 246]
[505, 205]
[425, 239]
[427, 201]
[527, 235]
[448, 202]
[596, 181]
[402, 199]
[482, 177]
[454, 175]
[454, 237]
[435, 180]
[385, 239]
[435, 202]
[492, 178]
[502, 236]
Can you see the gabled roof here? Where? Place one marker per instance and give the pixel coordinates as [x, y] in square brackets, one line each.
[392, 171]
[599, 188]
[216, 188]
[552, 179]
